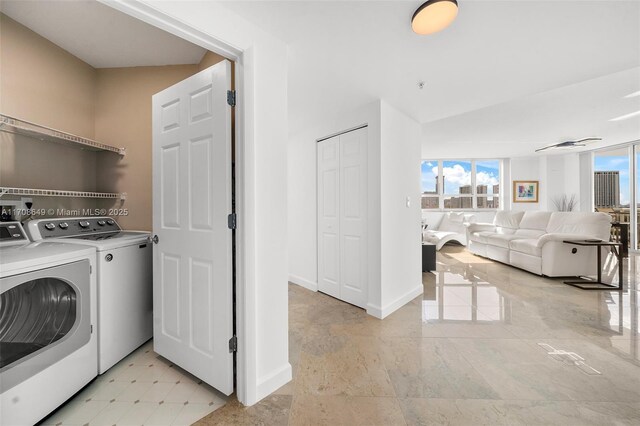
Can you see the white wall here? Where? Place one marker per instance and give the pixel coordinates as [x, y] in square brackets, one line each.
[302, 209]
[557, 175]
[401, 276]
[572, 176]
[263, 338]
[563, 178]
[528, 168]
[585, 160]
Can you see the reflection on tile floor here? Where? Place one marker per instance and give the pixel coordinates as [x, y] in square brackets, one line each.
[142, 389]
[485, 344]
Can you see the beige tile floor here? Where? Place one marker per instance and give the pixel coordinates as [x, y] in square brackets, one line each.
[142, 389]
[485, 344]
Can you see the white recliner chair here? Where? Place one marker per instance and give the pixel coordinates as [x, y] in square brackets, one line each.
[452, 228]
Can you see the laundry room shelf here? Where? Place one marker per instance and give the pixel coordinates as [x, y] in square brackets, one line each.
[22, 127]
[61, 193]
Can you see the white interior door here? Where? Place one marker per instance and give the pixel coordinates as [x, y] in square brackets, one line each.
[329, 216]
[353, 208]
[342, 200]
[192, 274]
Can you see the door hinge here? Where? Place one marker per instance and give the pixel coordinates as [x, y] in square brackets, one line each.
[91, 328]
[231, 221]
[231, 97]
[90, 269]
[233, 344]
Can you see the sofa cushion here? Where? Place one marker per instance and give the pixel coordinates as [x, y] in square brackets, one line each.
[535, 220]
[481, 236]
[507, 219]
[529, 233]
[505, 231]
[502, 240]
[594, 225]
[527, 246]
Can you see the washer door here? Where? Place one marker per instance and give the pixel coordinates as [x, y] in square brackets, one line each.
[44, 316]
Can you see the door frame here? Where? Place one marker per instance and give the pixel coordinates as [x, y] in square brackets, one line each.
[246, 373]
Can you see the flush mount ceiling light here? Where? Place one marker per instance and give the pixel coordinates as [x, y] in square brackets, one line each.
[434, 16]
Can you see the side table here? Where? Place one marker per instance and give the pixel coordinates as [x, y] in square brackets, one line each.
[428, 257]
[589, 284]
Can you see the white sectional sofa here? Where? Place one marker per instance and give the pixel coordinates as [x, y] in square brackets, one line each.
[532, 241]
[452, 228]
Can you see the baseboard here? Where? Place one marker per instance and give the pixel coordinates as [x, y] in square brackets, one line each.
[273, 382]
[309, 285]
[374, 310]
[390, 308]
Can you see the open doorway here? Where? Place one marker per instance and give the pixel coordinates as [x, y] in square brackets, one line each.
[114, 100]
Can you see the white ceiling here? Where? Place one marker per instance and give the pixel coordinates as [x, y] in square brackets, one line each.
[100, 35]
[520, 126]
[496, 56]
[507, 77]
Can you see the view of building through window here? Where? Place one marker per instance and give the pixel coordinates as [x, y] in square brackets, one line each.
[611, 180]
[460, 184]
[430, 189]
[488, 184]
[611, 188]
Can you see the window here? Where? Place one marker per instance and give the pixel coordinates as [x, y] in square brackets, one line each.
[458, 192]
[430, 198]
[488, 184]
[460, 184]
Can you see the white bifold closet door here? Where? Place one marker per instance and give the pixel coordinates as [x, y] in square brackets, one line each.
[342, 216]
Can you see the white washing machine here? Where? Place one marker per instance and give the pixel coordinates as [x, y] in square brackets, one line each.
[124, 280]
[48, 347]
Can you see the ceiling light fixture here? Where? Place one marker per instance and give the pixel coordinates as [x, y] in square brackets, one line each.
[434, 16]
[571, 144]
[626, 116]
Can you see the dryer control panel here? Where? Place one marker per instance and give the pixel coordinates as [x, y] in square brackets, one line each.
[41, 229]
[12, 233]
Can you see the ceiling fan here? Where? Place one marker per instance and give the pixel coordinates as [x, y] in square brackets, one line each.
[570, 144]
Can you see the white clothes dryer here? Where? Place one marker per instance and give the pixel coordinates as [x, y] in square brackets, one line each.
[48, 348]
[124, 280]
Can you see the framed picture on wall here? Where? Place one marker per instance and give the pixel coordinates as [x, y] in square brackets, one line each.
[525, 191]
